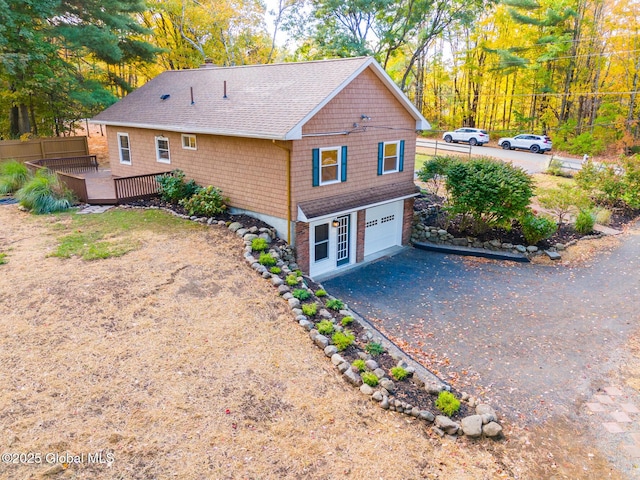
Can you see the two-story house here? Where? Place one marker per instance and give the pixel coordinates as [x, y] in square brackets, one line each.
[324, 151]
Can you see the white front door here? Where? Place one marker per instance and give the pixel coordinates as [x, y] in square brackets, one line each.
[331, 244]
[383, 227]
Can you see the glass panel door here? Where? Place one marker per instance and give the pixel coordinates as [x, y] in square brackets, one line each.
[342, 240]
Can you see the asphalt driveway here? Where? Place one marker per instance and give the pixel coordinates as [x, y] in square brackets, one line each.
[536, 341]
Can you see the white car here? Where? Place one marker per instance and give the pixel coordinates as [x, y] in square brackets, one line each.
[527, 141]
[474, 136]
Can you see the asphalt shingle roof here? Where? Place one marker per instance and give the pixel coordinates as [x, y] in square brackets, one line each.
[359, 199]
[263, 101]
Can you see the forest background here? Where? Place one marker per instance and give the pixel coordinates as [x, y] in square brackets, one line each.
[567, 68]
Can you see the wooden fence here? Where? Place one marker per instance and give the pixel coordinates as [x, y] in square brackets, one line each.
[54, 147]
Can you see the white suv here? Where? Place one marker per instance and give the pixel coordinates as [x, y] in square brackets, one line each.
[527, 141]
[474, 136]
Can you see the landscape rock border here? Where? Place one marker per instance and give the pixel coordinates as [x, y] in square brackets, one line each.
[482, 424]
[421, 233]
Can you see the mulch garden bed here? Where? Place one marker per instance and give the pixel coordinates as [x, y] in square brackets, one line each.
[407, 390]
[621, 216]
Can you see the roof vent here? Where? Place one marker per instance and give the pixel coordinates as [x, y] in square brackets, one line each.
[165, 96]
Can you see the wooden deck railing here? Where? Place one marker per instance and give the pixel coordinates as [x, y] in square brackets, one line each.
[138, 186]
[79, 164]
[76, 184]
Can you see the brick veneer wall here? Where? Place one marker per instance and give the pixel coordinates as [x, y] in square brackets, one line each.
[302, 246]
[407, 220]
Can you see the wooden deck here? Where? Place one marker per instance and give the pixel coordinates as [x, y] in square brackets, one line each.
[101, 188]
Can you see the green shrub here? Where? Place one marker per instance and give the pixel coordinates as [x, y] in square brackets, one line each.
[585, 222]
[399, 373]
[13, 175]
[310, 309]
[207, 201]
[555, 168]
[342, 340]
[301, 294]
[359, 365]
[259, 245]
[44, 194]
[374, 349]
[335, 304]
[173, 188]
[298, 273]
[434, 171]
[275, 270]
[347, 321]
[369, 378]
[291, 280]
[321, 293]
[536, 228]
[586, 143]
[3, 258]
[563, 200]
[325, 327]
[447, 403]
[267, 260]
[490, 192]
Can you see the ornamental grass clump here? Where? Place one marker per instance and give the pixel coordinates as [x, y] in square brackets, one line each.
[291, 280]
[399, 373]
[13, 175]
[359, 365]
[374, 349]
[346, 321]
[309, 309]
[447, 403]
[267, 260]
[45, 194]
[325, 327]
[335, 304]
[321, 293]
[301, 294]
[275, 270]
[259, 245]
[369, 378]
[343, 340]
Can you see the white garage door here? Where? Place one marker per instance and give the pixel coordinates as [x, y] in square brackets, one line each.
[383, 227]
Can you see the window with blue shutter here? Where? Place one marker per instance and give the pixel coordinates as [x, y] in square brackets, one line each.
[329, 165]
[390, 157]
[343, 172]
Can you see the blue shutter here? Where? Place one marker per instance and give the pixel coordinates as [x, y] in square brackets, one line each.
[401, 159]
[343, 172]
[316, 167]
[380, 157]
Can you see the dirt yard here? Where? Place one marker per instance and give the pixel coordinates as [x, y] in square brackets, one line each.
[177, 360]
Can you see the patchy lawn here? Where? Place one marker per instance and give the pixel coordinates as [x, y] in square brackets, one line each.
[177, 359]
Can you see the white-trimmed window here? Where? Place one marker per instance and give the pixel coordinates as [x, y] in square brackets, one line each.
[390, 157]
[189, 142]
[124, 148]
[329, 165]
[162, 150]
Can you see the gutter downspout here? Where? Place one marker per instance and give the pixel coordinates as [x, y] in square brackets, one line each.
[288, 189]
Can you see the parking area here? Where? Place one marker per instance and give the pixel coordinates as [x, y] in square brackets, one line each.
[536, 341]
